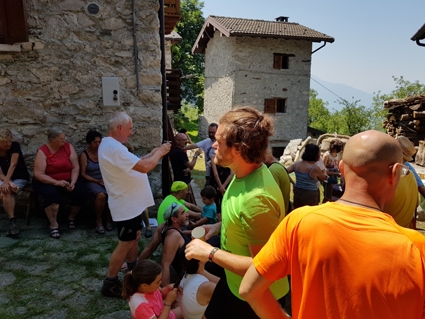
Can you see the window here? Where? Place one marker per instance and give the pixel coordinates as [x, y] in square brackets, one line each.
[281, 60]
[13, 22]
[273, 106]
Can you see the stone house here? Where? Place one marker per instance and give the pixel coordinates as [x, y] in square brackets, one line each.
[62, 60]
[265, 64]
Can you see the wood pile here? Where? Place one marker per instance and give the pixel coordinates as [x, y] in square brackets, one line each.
[406, 117]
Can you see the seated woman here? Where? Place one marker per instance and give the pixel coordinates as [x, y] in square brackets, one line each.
[197, 288]
[90, 172]
[13, 176]
[56, 172]
[307, 173]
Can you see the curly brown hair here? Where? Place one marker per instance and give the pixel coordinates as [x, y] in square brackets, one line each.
[248, 131]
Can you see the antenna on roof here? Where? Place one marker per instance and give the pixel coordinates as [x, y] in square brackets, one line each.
[282, 19]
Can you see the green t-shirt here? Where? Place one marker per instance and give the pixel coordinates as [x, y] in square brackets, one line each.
[170, 199]
[252, 208]
[281, 177]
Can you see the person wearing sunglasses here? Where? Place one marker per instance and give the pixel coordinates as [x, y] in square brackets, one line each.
[174, 241]
[347, 259]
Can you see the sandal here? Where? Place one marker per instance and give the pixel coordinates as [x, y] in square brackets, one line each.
[109, 226]
[100, 230]
[54, 233]
[71, 224]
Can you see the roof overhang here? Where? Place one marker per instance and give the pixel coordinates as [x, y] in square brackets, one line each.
[420, 35]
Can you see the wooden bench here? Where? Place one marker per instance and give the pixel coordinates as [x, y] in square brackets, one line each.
[32, 205]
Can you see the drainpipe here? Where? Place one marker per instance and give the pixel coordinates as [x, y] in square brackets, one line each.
[419, 43]
[165, 160]
[319, 48]
[135, 49]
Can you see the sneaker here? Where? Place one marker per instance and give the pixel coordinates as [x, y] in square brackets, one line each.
[13, 228]
[111, 288]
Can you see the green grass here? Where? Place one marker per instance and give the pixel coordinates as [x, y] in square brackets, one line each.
[57, 278]
[198, 173]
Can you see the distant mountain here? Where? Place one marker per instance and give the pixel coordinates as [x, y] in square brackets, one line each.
[346, 92]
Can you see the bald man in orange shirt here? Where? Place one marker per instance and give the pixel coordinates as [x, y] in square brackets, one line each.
[347, 259]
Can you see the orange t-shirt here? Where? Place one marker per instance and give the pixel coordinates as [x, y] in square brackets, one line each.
[347, 262]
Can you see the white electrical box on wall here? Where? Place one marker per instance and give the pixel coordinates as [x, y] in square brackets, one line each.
[111, 91]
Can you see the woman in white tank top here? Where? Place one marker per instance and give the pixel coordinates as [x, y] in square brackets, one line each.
[197, 287]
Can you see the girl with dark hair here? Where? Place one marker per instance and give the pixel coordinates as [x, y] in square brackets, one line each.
[307, 173]
[146, 298]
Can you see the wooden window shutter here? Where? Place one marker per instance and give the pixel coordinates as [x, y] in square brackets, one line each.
[270, 106]
[277, 61]
[13, 22]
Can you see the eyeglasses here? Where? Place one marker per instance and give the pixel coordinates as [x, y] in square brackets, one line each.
[209, 132]
[404, 169]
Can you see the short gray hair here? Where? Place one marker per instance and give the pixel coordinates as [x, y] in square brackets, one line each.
[54, 132]
[117, 119]
[5, 134]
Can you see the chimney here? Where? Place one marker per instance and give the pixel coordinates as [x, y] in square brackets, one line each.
[282, 19]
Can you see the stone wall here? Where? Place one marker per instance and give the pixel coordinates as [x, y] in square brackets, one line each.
[239, 71]
[56, 79]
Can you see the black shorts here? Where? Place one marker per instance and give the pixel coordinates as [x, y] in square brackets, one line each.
[224, 304]
[127, 229]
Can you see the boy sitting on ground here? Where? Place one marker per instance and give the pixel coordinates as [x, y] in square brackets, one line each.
[209, 211]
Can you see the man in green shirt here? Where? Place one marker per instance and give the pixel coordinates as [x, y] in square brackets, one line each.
[252, 208]
[178, 192]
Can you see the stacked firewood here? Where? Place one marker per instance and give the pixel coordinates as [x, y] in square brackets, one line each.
[406, 117]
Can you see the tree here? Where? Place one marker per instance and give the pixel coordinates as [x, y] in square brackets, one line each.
[354, 118]
[319, 116]
[192, 65]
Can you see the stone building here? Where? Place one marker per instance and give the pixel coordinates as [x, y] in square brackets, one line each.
[265, 64]
[55, 74]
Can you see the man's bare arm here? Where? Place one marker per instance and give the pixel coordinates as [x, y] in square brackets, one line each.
[147, 163]
[255, 290]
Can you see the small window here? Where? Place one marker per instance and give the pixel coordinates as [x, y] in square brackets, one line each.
[270, 106]
[273, 106]
[13, 22]
[281, 61]
[280, 105]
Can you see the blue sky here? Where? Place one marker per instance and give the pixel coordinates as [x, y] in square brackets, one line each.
[372, 37]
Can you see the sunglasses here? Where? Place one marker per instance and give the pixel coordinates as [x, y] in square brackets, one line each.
[174, 209]
[404, 169]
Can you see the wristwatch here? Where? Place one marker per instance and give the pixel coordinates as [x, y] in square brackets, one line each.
[195, 156]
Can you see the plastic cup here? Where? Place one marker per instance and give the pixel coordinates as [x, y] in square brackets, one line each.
[198, 233]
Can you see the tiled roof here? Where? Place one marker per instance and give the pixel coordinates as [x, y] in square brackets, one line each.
[256, 28]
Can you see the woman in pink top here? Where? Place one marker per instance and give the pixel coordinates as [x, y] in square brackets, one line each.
[56, 172]
[141, 287]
